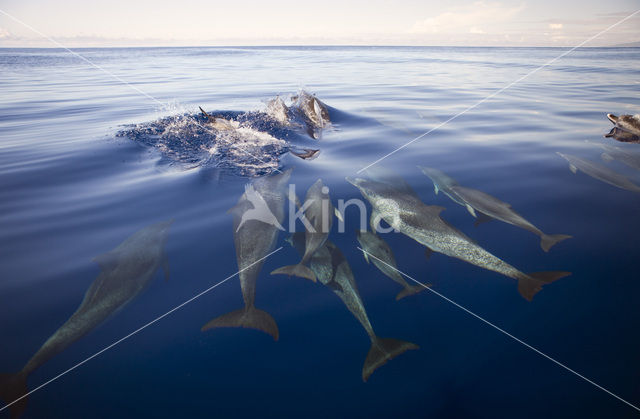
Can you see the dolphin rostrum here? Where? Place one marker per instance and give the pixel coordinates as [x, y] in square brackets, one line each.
[475, 200]
[385, 261]
[599, 172]
[333, 271]
[626, 128]
[407, 214]
[255, 237]
[125, 272]
[318, 212]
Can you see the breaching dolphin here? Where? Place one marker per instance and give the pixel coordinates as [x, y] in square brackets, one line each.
[333, 271]
[125, 272]
[599, 172]
[255, 237]
[314, 111]
[410, 216]
[475, 200]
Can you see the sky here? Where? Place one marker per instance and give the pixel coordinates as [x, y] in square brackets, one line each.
[78, 23]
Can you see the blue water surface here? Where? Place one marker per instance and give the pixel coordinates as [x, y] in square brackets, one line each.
[72, 189]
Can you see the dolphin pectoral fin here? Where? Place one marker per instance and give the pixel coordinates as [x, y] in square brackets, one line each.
[435, 188]
[482, 218]
[573, 168]
[471, 210]
[298, 270]
[532, 283]
[374, 221]
[611, 133]
[548, 240]
[165, 266]
[606, 157]
[338, 214]
[12, 388]
[612, 118]
[383, 350]
[410, 290]
[366, 256]
[250, 318]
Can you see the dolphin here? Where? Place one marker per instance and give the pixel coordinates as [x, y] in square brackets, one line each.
[277, 109]
[314, 112]
[306, 153]
[333, 271]
[475, 200]
[599, 172]
[611, 153]
[409, 215]
[626, 128]
[445, 183]
[220, 124]
[125, 272]
[385, 261]
[319, 213]
[254, 238]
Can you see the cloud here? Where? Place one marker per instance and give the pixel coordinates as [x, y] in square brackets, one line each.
[4, 34]
[555, 26]
[475, 29]
[467, 18]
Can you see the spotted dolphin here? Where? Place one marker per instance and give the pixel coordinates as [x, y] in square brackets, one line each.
[125, 272]
[333, 271]
[600, 172]
[409, 215]
[254, 238]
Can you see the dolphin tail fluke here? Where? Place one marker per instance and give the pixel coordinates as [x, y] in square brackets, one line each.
[410, 290]
[12, 388]
[383, 350]
[548, 240]
[530, 285]
[250, 318]
[296, 270]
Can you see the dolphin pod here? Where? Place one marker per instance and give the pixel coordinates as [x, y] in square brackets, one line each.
[475, 200]
[255, 237]
[333, 271]
[407, 214]
[125, 272]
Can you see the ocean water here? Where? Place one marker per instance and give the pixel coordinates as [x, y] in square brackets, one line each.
[80, 171]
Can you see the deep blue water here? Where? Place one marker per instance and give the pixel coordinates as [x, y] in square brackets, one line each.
[71, 189]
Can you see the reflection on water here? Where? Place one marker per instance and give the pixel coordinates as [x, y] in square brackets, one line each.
[626, 128]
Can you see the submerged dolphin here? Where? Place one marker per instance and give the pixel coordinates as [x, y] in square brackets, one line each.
[631, 159]
[475, 200]
[599, 172]
[319, 213]
[125, 272]
[385, 261]
[333, 271]
[407, 214]
[254, 239]
[626, 128]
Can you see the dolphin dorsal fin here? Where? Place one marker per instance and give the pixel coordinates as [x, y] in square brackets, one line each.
[612, 118]
[435, 209]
